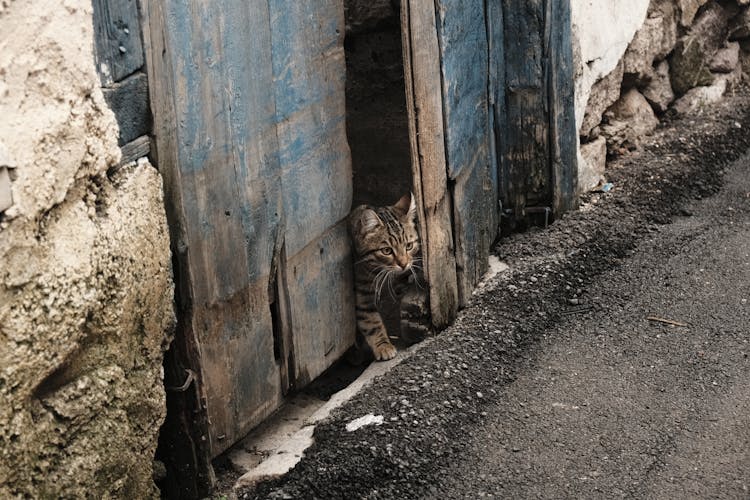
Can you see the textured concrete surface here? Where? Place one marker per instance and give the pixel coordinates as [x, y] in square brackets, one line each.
[85, 281]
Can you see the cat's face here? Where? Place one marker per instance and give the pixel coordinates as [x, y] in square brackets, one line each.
[387, 237]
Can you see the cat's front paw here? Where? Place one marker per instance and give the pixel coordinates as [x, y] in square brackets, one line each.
[384, 352]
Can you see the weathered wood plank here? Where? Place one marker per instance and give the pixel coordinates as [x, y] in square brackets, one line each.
[262, 170]
[117, 34]
[128, 100]
[562, 109]
[222, 151]
[429, 170]
[133, 150]
[524, 155]
[309, 77]
[320, 290]
[464, 59]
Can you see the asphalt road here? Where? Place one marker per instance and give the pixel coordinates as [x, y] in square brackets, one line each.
[617, 405]
[554, 382]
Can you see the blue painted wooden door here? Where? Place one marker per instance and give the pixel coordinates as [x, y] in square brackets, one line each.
[506, 103]
[248, 98]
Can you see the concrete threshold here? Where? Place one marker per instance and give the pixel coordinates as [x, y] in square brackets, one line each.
[275, 446]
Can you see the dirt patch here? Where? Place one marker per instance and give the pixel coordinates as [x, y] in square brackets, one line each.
[433, 400]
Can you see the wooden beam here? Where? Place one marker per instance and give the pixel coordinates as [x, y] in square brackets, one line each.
[464, 60]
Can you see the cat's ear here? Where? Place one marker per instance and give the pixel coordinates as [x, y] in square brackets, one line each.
[408, 206]
[369, 220]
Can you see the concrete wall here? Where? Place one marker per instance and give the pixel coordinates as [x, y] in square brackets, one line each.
[85, 274]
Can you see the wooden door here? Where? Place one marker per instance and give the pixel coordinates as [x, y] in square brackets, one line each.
[248, 101]
[490, 95]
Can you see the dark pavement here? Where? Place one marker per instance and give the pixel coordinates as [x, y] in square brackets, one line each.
[622, 406]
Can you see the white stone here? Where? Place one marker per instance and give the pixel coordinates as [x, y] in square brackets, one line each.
[698, 98]
[363, 421]
[629, 119]
[726, 58]
[644, 48]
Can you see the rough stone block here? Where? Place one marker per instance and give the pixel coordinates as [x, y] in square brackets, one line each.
[85, 274]
[6, 196]
[603, 94]
[601, 34]
[592, 164]
[667, 12]
[689, 65]
[688, 9]
[725, 59]
[643, 50]
[628, 120]
[659, 92]
[700, 97]
[740, 26]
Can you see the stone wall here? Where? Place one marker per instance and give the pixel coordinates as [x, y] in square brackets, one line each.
[85, 273]
[637, 60]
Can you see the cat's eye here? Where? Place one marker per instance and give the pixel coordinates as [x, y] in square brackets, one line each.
[409, 246]
[386, 250]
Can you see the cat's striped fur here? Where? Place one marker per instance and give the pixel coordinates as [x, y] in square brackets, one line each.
[386, 248]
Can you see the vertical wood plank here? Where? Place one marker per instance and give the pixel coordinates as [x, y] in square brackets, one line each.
[562, 109]
[217, 144]
[464, 59]
[320, 290]
[250, 133]
[429, 169]
[525, 151]
[309, 78]
[536, 149]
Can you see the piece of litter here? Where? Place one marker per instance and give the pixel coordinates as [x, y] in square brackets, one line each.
[368, 419]
[666, 321]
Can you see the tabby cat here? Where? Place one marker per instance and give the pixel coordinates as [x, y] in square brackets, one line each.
[386, 247]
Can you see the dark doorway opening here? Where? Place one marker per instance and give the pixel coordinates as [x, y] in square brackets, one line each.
[376, 114]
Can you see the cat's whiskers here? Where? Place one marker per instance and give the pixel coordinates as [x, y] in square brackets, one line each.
[379, 282]
[416, 277]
